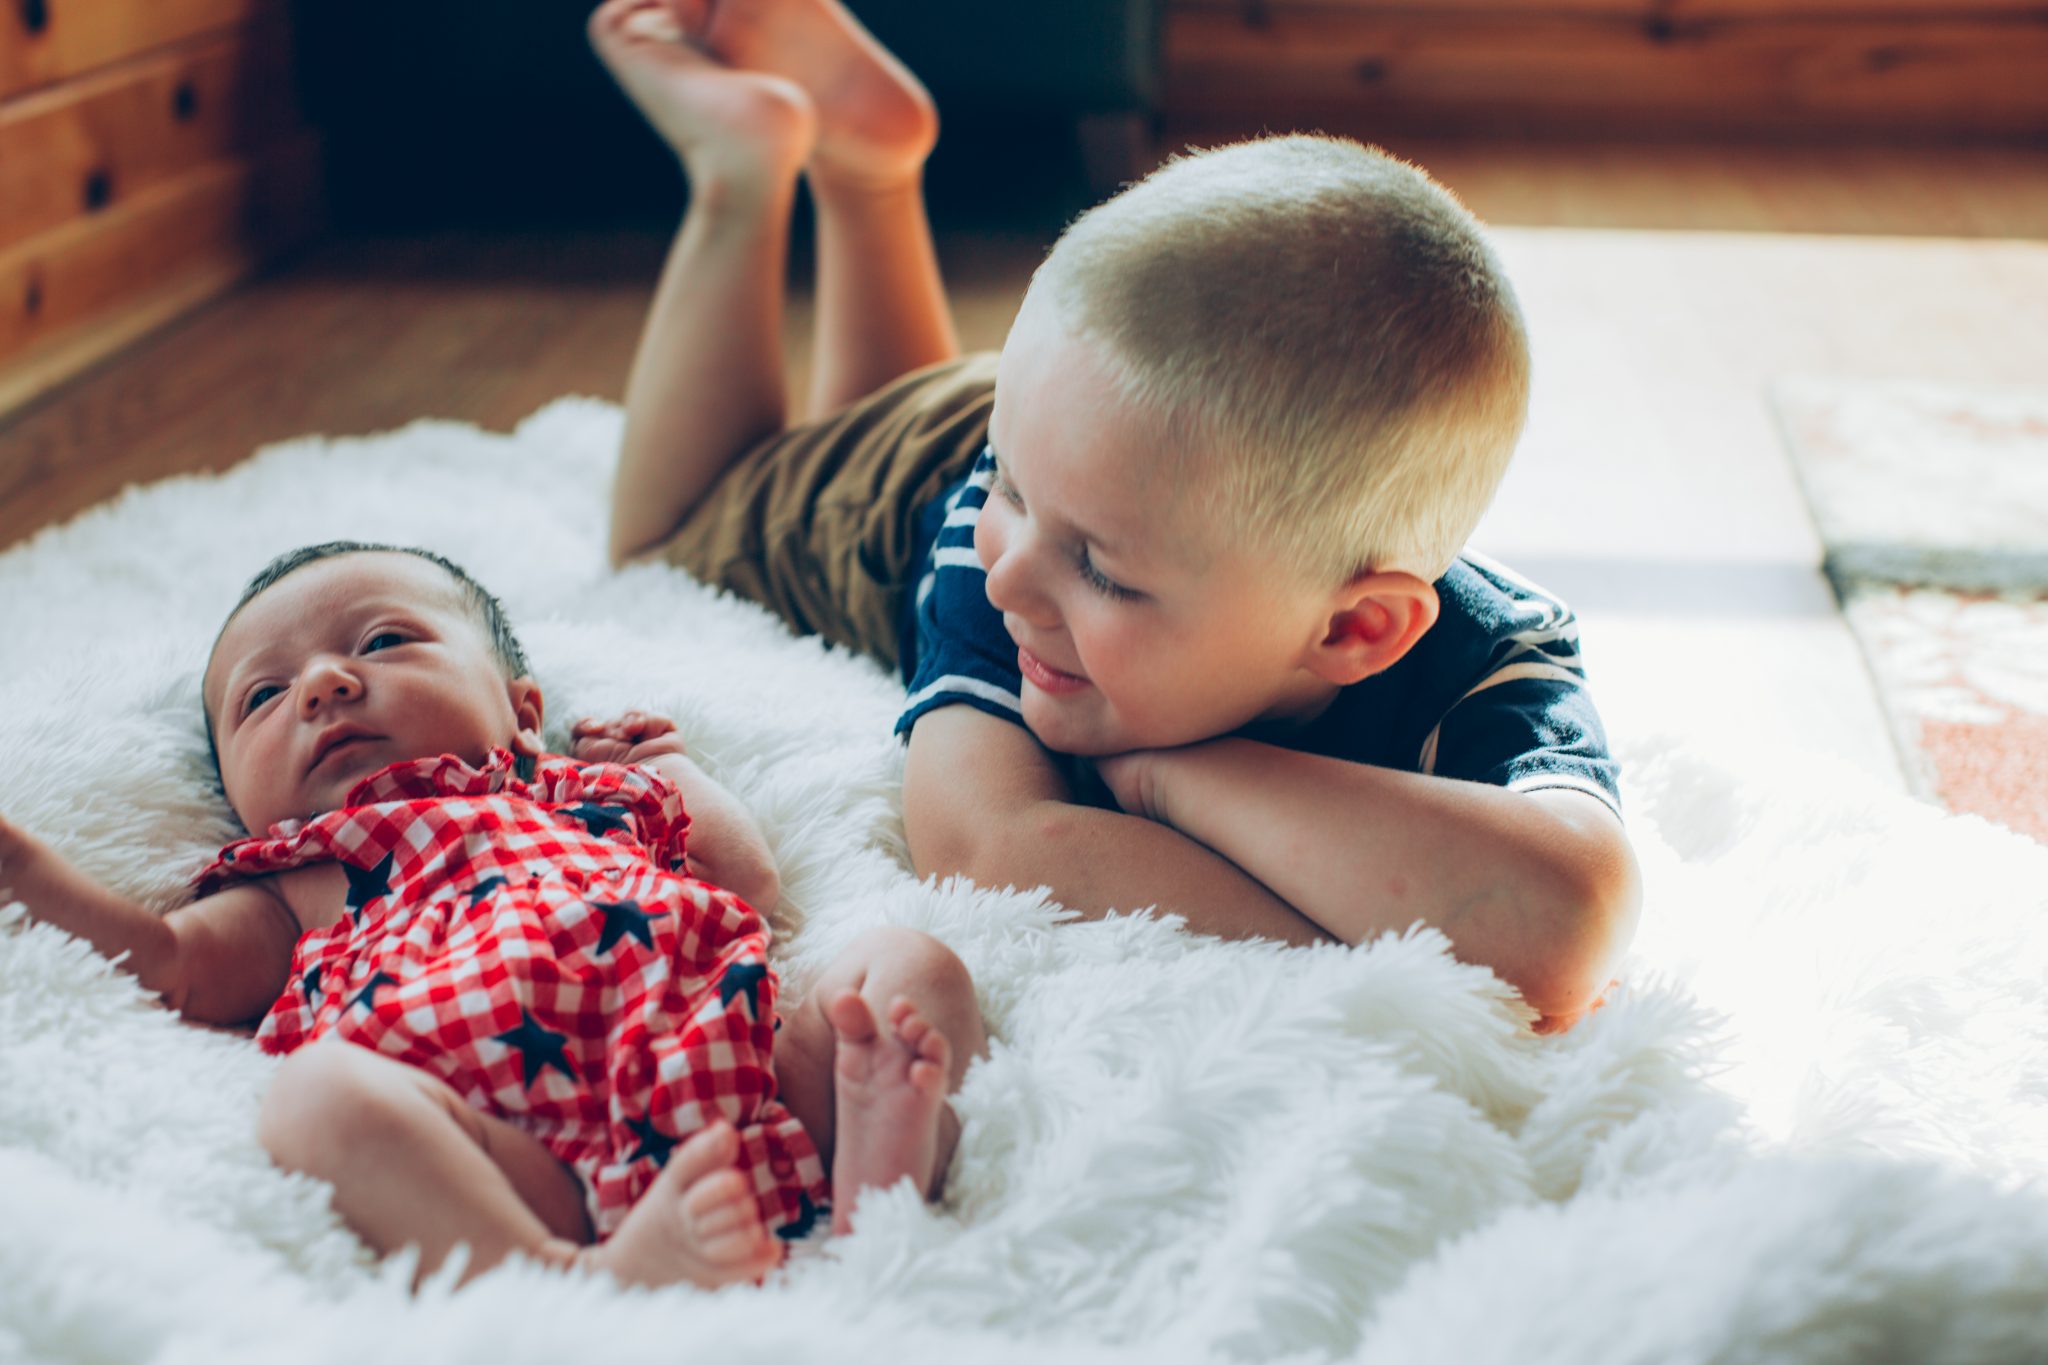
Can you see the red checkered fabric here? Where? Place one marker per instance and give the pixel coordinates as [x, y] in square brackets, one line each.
[537, 946]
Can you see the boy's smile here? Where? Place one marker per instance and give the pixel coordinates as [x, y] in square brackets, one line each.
[346, 666]
[1139, 623]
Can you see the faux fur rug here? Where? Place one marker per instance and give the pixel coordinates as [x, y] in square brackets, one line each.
[1811, 1125]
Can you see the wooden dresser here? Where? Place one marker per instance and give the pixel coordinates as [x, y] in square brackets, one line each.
[152, 153]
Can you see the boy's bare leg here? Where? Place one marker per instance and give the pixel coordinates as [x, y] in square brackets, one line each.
[413, 1165]
[881, 305]
[707, 380]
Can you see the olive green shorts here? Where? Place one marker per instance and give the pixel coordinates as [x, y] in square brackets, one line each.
[818, 523]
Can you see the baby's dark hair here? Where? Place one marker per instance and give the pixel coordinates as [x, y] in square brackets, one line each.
[488, 611]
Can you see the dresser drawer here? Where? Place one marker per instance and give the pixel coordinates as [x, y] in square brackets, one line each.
[73, 294]
[45, 41]
[91, 144]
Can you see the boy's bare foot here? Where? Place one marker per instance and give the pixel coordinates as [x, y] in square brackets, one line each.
[697, 1223]
[876, 122]
[735, 126]
[889, 1090]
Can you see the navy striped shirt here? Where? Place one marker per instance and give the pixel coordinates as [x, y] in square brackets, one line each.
[1494, 692]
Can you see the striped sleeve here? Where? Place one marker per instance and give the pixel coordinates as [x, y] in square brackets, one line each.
[1528, 722]
[964, 656]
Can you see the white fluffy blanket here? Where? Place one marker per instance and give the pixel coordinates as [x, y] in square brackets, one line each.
[1812, 1125]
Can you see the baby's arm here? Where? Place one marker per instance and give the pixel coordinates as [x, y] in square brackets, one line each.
[1541, 886]
[726, 847]
[220, 960]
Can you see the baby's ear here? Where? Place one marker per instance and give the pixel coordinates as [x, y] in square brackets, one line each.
[528, 711]
[1375, 621]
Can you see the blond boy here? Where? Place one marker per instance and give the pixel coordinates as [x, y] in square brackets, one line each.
[1176, 582]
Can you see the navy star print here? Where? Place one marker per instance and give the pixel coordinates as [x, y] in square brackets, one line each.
[367, 996]
[366, 884]
[599, 820]
[801, 1225]
[743, 976]
[622, 918]
[538, 1047]
[653, 1142]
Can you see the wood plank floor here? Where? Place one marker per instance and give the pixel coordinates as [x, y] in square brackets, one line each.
[369, 333]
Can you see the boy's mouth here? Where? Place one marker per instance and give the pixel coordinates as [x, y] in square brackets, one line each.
[1045, 677]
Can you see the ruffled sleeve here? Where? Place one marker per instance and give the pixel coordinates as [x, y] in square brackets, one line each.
[650, 802]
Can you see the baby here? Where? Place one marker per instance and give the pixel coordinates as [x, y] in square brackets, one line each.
[564, 1026]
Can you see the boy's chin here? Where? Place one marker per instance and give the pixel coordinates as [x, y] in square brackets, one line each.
[1084, 735]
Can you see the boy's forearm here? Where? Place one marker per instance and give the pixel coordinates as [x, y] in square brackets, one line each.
[58, 894]
[1096, 861]
[1547, 902]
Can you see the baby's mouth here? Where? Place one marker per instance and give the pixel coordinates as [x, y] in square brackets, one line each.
[335, 744]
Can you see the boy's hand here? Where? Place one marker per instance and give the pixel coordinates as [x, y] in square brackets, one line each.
[634, 737]
[1129, 778]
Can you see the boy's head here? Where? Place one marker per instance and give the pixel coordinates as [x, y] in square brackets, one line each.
[1275, 385]
[345, 657]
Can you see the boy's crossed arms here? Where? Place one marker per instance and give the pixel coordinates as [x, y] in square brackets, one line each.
[1249, 839]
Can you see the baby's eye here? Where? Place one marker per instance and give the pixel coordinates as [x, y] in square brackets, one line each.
[382, 640]
[1006, 492]
[258, 696]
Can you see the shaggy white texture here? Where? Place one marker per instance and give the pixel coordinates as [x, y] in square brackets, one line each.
[1811, 1125]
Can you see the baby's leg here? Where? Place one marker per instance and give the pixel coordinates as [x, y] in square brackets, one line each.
[707, 380]
[881, 307]
[413, 1164]
[867, 1061]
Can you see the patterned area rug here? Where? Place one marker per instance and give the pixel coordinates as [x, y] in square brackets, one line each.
[1933, 504]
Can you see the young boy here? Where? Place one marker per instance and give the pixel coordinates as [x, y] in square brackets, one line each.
[1195, 532]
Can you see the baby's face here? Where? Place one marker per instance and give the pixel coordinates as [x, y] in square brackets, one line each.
[1137, 627]
[345, 666]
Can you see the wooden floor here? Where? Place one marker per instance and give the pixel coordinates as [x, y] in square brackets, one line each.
[365, 334]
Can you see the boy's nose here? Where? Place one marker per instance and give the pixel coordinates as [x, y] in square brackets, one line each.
[1013, 590]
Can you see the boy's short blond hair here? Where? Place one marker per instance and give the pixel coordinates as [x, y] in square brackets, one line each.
[1331, 322]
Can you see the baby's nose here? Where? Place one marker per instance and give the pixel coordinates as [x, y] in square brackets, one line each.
[326, 681]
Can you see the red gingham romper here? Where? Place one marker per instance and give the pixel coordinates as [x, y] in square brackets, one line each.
[537, 946]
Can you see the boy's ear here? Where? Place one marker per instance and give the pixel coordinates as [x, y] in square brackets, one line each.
[1378, 618]
[527, 711]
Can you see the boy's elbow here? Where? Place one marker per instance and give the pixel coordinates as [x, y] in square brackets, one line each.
[1602, 903]
[992, 851]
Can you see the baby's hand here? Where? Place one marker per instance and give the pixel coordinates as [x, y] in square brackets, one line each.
[633, 738]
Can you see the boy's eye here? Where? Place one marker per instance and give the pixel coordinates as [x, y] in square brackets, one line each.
[382, 640]
[258, 696]
[1006, 492]
[1102, 582]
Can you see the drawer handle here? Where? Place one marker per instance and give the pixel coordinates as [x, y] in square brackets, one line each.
[99, 188]
[35, 15]
[185, 101]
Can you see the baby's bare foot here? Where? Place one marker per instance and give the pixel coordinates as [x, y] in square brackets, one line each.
[876, 122]
[735, 125]
[889, 1090]
[697, 1223]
